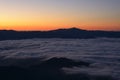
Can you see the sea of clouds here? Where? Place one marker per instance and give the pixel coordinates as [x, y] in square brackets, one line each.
[103, 53]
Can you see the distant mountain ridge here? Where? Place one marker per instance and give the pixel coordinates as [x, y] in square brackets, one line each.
[59, 33]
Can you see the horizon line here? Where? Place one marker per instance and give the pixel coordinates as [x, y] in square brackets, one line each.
[57, 29]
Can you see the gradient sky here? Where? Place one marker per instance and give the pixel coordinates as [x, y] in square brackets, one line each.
[53, 14]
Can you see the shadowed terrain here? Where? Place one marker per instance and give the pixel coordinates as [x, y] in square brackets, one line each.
[44, 69]
[59, 33]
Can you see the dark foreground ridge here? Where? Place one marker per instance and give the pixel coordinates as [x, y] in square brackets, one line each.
[49, 69]
[59, 33]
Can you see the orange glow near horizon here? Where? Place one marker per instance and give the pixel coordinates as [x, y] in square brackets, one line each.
[38, 15]
[26, 23]
[35, 28]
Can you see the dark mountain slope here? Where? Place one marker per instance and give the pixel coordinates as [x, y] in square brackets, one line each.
[59, 33]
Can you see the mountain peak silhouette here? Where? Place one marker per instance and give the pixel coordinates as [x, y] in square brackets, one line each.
[73, 29]
[59, 33]
[76, 29]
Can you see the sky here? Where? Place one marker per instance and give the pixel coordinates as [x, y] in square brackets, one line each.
[54, 14]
